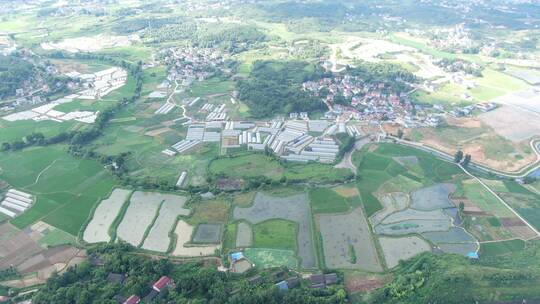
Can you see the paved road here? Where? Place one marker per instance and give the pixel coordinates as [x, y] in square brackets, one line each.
[346, 162]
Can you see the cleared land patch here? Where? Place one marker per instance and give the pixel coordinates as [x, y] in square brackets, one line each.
[104, 215]
[343, 233]
[183, 248]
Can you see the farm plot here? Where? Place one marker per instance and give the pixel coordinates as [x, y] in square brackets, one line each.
[29, 252]
[104, 215]
[158, 238]
[414, 215]
[396, 249]
[66, 188]
[392, 202]
[293, 208]
[433, 197]
[454, 235]
[347, 241]
[461, 249]
[207, 234]
[139, 215]
[412, 226]
[183, 248]
[243, 235]
[268, 258]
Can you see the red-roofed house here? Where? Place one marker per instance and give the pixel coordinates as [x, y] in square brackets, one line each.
[162, 283]
[133, 300]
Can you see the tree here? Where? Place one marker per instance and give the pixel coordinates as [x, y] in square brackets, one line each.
[458, 156]
[400, 134]
[466, 160]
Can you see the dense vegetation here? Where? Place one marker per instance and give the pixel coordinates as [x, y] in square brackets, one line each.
[195, 283]
[17, 72]
[435, 279]
[395, 77]
[231, 37]
[273, 87]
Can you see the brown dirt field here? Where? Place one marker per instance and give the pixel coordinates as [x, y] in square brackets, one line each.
[469, 206]
[476, 151]
[168, 123]
[157, 132]
[475, 147]
[229, 184]
[347, 191]
[244, 199]
[363, 284]
[465, 122]
[393, 129]
[511, 222]
[523, 232]
[211, 212]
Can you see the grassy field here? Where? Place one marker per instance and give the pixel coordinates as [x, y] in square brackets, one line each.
[16, 130]
[267, 258]
[66, 188]
[229, 238]
[214, 211]
[275, 234]
[255, 165]
[56, 237]
[325, 200]
[212, 86]
[501, 248]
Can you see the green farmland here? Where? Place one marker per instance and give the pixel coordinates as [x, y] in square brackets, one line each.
[66, 188]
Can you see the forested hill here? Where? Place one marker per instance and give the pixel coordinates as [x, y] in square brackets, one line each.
[274, 87]
[195, 283]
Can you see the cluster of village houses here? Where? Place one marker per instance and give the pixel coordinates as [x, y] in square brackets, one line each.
[94, 87]
[187, 64]
[369, 102]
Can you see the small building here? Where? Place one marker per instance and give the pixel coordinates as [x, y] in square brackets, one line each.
[149, 297]
[116, 278]
[133, 299]
[163, 283]
[293, 282]
[282, 286]
[317, 281]
[330, 278]
[473, 255]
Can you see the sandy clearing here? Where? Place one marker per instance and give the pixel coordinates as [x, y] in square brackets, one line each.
[107, 210]
[503, 121]
[183, 233]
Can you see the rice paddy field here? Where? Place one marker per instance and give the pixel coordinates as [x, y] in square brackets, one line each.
[106, 212]
[158, 238]
[66, 188]
[139, 215]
